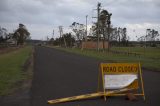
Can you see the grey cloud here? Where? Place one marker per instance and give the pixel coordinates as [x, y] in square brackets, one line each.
[4, 5]
[64, 12]
[135, 11]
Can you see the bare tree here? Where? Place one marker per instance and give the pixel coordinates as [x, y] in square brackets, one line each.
[79, 30]
[151, 35]
[114, 36]
[3, 35]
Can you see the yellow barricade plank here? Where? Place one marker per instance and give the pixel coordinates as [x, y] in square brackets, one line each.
[86, 96]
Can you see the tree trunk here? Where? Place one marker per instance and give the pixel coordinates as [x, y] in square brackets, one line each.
[103, 40]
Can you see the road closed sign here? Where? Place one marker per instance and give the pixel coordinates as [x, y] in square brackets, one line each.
[117, 76]
[120, 75]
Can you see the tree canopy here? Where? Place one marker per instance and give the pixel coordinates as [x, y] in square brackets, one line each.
[21, 34]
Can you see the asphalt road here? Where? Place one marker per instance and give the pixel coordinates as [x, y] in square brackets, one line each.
[59, 74]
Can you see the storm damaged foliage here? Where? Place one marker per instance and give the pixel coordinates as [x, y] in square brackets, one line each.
[3, 35]
[70, 40]
[21, 34]
[80, 32]
[150, 39]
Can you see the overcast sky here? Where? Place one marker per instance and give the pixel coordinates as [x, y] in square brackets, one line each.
[42, 16]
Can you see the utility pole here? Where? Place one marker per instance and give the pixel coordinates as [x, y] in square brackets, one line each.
[61, 34]
[109, 25]
[86, 28]
[98, 11]
[97, 30]
[53, 33]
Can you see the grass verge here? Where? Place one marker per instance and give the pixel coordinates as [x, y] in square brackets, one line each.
[12, 69]
[150, 60]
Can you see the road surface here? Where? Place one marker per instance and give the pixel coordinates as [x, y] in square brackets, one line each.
[58, 74]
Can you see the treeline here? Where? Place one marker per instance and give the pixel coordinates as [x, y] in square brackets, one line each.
[18, 37]
[67, 40]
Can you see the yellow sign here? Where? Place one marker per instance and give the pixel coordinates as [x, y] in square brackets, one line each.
[119, 68]
[121, 76]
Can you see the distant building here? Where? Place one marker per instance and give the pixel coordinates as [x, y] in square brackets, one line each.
[11, 41]
[91, 43]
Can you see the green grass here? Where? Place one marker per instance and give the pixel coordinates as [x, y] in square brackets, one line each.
[11, 65]
[150, 58]
[151, 52]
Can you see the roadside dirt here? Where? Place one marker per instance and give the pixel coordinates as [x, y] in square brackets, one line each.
[8, 49]
[21, 91]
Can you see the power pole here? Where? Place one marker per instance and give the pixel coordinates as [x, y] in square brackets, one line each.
[97, 30]
[98, 11]
[109, 25]
[61, 34]
[53, 33]
[86, 28]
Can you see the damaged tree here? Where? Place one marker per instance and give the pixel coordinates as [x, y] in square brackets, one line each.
[21, 34]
